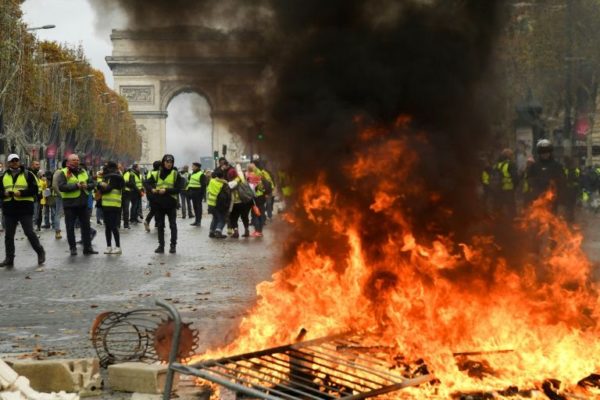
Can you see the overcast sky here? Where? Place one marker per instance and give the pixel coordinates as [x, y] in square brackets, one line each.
[76, 24]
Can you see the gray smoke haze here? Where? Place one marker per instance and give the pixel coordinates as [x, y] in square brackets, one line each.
[331, 61]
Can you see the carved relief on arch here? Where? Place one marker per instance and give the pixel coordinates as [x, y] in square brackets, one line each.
[138, 94]
[170, 89]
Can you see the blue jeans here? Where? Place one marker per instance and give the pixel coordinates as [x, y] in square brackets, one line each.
[218, 220]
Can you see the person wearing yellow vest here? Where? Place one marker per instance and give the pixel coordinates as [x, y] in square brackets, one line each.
[74, 185]
[111, 189]
[18, 188]
[507, 179]
[218, 200]
[165, 186]
[195, 187]
[137, 191]
[37, 210]
[150, 196]
[255, 180]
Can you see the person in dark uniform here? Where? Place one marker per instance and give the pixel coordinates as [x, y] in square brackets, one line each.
[18, 189]
[546, 174]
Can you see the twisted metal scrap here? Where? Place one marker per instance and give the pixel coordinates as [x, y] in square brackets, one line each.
[140, 335]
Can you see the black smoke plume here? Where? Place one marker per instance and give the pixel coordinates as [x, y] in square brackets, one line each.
[333, 63]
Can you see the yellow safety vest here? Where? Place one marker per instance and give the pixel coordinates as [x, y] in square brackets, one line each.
[167, 183]
[19, 185]
[485, 178]
[507, 183]
[212, 191]
[71, 178]
[112, 198]
[194, 182]
[126, 177]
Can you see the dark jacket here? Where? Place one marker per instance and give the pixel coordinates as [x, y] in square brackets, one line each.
[545, 174]
[63, 186]
[165, 200]
[17, 208]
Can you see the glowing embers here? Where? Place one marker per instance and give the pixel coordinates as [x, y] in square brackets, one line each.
[335, 367]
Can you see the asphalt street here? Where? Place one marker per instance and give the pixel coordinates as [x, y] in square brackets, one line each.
[48, 311]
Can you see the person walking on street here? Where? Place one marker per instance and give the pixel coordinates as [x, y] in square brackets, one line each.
[74, 184]
[186, 201]
[219, 200]
[58, 203]
[135, 192]
[35, 169]
[546, 174]
[507, 180]
[18, 189]
[111, 189]
[165, 186]
[126, 199]
[150, 196]
[195, 187]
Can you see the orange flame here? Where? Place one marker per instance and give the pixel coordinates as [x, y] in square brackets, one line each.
[433, 300]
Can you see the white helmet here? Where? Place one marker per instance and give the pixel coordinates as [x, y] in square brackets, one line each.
[544, 146]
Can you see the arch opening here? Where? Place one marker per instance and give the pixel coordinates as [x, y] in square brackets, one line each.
[189, 128]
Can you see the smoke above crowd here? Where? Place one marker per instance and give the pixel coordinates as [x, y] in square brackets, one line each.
[338, 67]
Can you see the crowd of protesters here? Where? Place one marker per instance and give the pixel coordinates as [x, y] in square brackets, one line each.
[37, 200]
[508, 188]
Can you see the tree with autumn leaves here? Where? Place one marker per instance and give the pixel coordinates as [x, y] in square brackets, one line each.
[51, 96]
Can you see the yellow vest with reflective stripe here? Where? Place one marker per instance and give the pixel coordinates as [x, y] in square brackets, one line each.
[19, 185]
[212, 191]
[126, 176]
[112, 198]
[81, 178]
[194, 182]
[167, 183]
[507, 183]
[138, 181]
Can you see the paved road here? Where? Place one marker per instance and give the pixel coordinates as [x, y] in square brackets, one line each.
[212, 282]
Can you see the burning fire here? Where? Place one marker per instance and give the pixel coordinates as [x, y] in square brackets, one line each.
[520, 324]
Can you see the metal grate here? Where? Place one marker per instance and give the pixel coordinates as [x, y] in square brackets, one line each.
[334, 367]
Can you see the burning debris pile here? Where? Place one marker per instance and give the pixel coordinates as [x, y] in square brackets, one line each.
[380, 107]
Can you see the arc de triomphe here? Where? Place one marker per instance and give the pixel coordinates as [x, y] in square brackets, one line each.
[151, 67]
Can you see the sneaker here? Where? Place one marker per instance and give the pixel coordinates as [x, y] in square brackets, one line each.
[108, 250]
[256, 234]
[73, 251]
[147, 226]
[8, 263]
[116, 250]
[46, 226]
[172, 249]
[41, 257]
[235, 235]
[219, 235]
[89, 251]
[57, 235]
[160, 250]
